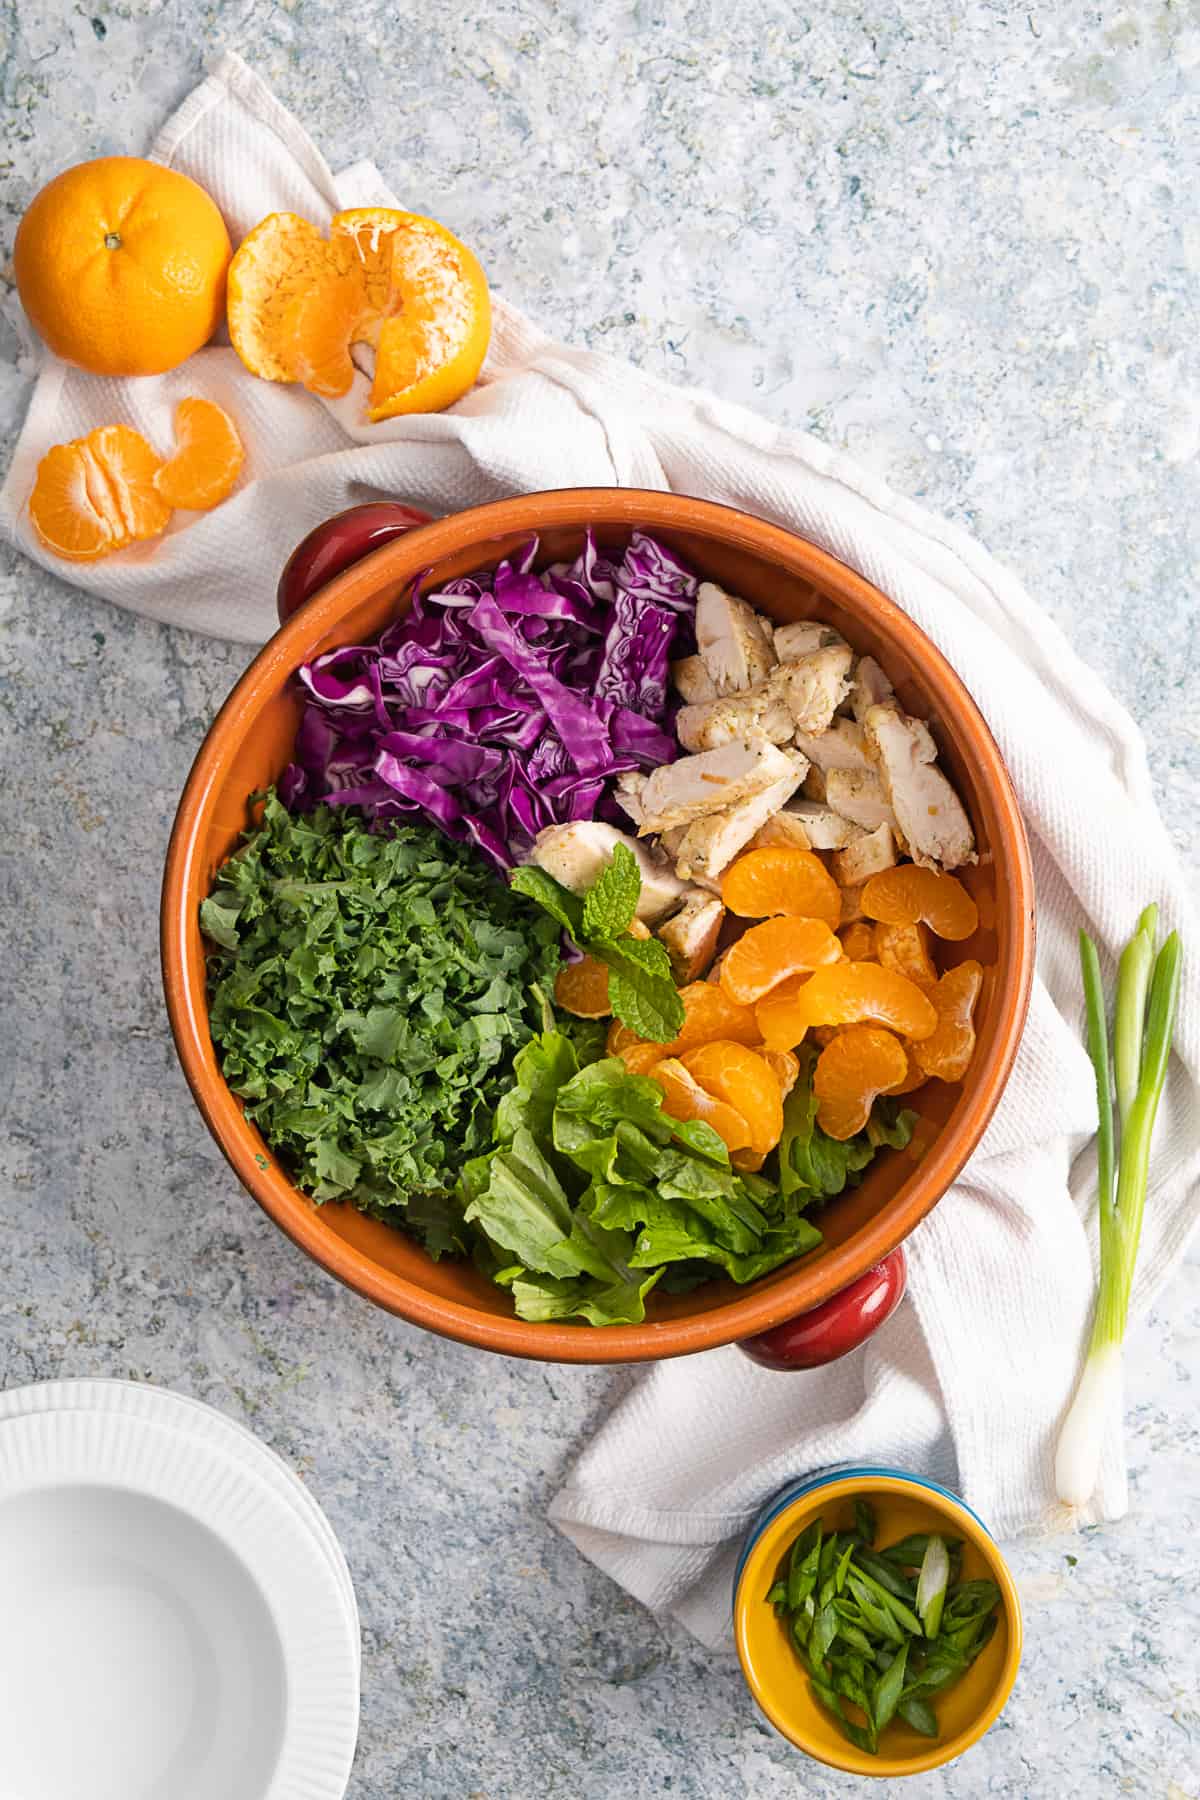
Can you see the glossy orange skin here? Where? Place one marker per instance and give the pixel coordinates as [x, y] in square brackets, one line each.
[248, 746]
[120, 264]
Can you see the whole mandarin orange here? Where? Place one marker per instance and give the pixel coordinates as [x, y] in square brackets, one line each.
[120, 265]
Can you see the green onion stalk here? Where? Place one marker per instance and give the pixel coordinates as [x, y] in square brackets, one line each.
[1143, 1026]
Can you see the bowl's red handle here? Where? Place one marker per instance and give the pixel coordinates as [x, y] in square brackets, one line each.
[837, 1326]
[339, 542]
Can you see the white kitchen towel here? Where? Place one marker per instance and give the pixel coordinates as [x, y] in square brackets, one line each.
[969, 1379]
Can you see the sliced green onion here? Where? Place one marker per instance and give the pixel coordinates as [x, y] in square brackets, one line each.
[932, 1584]
[1144, 1024]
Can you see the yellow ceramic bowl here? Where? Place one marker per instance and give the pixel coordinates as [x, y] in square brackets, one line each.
[903, 1504]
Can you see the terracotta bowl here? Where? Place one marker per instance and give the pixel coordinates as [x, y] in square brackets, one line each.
[248, 746]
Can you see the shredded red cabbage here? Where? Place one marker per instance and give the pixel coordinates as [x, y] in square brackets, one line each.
[504, 703]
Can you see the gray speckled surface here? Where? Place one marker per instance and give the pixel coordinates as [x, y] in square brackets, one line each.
[962, 240]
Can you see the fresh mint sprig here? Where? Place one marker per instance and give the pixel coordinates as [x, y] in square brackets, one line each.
[641, 988]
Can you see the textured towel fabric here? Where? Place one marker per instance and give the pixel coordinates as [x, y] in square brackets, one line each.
[969, 1379]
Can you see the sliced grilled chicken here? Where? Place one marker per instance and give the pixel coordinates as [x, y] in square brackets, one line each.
[681, 791]
[929, 812]
[801, 639]
[733, 641]
[756, 712]
[871, 687]
[709, 845]
[575, 854]
[814, 686]
[868, 855]
[690, 936]
[859, 797]
[807, 825]
[842, 746]
[628, 794]
[692, 680]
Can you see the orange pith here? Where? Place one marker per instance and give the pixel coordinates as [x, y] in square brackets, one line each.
[910, 892]
[765, 882]
[120, 264]
[847, 993]
[862, 1061]
[772, 952]
[948, 1049]
[397, 282]
[208, 457]
[743, 1080]
[97, 494]
[582, 989]
[685, 1098]
[906, 949]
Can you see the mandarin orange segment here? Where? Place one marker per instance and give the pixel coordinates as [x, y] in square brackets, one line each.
[847, 993]
[906, 948]
[66, 510]
[858, 941]
[208, 457]
[914, 1074]
[783, 1065]
[641, 1059]
[685, 1098]
[947, 1051]
[743, 1080]
[774, 951]
[315, 334]
[709, 1014]
[621, 1037]
[581, 988]
[130, 466]
[747, 1162]
[765, 882]
[97, 494]
[860, 1063]
[909, 893]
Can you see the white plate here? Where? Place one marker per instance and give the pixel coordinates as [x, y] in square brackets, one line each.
[170, 1630]
[180, 1412]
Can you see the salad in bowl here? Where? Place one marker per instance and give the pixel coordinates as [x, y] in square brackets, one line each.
[605, 927]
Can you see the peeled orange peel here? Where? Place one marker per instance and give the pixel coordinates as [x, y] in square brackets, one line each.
[771, 952]
[861, 1063]
[110, 489]
[910, 893]
[401, 284]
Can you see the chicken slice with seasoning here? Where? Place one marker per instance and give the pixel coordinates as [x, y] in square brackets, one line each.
[859, 797]
[692, 680]
[930, 815]
[842, 746]
[575, 854]
[733, 641]
[814, 686]
[806, 825]
[871, 687]
[756, 712]
[690, 936]
[681, 791]
[870, 854]
[801, 639]
[710, 844]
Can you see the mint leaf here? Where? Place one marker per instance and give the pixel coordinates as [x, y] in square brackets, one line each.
[641, 988]
[562, 905]
[611, 902]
